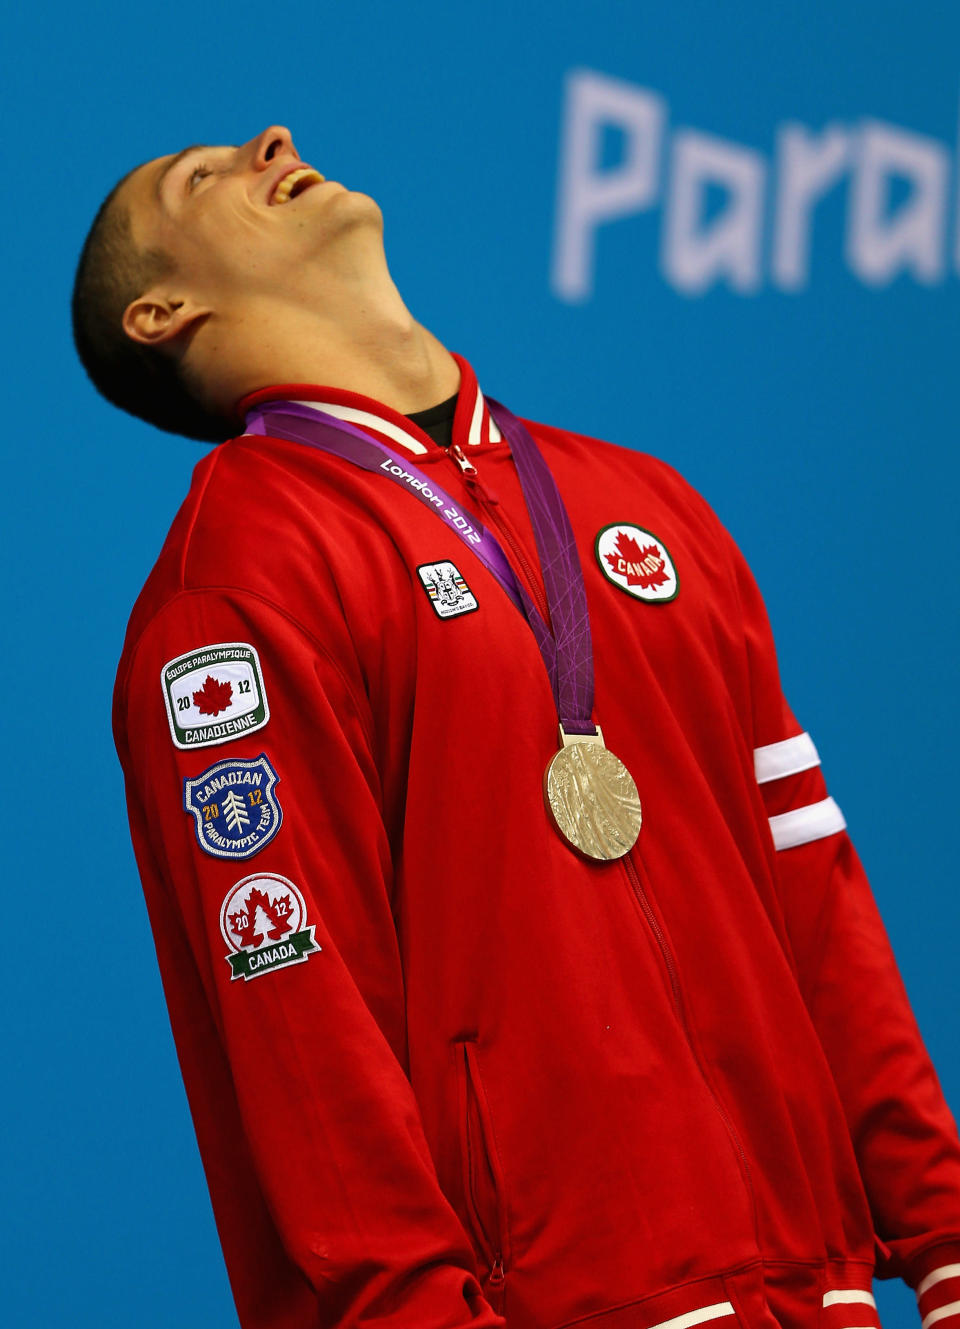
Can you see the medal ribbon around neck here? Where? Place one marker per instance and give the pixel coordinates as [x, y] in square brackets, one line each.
[567, 651]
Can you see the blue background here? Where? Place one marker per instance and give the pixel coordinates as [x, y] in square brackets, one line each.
[820, 423]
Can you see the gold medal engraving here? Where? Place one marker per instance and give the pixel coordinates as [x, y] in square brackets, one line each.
[591, 797]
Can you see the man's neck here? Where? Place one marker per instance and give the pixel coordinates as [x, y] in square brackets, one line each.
[368, 344]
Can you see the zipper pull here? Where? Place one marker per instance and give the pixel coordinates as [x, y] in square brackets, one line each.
[494, 1286]
[466, 466]
[470, 473]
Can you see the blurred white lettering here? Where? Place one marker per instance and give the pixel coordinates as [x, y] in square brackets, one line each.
[695, 256]
[590, 196]
[808, 166]
[879, 246]
[698, 252]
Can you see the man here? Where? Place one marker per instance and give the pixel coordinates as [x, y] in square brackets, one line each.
[456, 1054]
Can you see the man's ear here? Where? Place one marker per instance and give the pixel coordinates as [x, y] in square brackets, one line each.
[155, 318]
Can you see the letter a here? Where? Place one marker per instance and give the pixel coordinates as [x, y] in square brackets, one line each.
[695, 256]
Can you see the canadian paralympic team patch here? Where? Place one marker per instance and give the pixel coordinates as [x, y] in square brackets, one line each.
[638, 562]
[214, 694]
[234, 807]
[263, 920]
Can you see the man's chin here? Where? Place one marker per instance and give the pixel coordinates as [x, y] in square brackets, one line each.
[355, 198]
[352, 208]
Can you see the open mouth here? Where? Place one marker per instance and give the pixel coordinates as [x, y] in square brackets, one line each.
[294, 183]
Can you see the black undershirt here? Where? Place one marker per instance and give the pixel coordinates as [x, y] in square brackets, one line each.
[437, 421]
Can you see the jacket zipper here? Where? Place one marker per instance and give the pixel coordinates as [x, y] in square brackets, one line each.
[495, 1279]
[671, 967]
[492, 506]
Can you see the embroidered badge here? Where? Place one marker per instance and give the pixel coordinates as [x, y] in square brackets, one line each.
[638, 562]
[214, 694]
[263, 920]
[449, 593]
[234, 807]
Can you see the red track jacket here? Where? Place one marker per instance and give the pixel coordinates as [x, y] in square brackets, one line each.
[443, 1071]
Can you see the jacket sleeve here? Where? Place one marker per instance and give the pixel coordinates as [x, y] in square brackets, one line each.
[272, 913]
[903, 1134]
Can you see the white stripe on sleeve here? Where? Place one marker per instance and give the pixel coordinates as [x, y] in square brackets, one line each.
[813, 822]
[940, 1313]
[937, 1276]
[849, 1294]
[775, 760]
[701, 1316]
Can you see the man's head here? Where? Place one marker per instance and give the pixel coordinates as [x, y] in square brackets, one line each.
[186, 251]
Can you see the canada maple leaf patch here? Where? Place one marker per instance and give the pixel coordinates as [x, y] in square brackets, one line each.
[637, 561]
[263, 920]
[213, 697]
[642, 565]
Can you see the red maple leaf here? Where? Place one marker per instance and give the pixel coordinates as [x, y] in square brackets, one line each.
[644, 567]
[213, 697]
[279, 915]
[242, 927]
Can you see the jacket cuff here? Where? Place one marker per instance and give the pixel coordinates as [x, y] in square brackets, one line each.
[935, 1278]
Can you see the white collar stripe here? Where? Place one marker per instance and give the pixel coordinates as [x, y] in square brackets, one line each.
[483, 427]
[476, 421]
[368, 420]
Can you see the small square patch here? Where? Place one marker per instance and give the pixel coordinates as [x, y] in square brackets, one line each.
[448, 592]
[214, 694]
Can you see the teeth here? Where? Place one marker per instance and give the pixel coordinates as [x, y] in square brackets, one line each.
[286, 186]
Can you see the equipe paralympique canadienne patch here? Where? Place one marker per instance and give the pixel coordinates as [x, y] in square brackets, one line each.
[235, 810]
[214, 694]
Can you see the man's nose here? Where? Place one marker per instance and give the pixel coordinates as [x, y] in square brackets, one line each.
[273, 143]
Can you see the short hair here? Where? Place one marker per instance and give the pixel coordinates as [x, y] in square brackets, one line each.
[143, 380]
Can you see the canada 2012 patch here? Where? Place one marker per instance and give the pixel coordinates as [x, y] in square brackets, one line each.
[638, 562]
[263, 920]
[234, 807]
[214, 694]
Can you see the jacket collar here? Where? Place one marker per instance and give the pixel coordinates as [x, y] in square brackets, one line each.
[473, 425]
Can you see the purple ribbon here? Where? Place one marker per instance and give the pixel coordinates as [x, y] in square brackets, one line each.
[567, 651]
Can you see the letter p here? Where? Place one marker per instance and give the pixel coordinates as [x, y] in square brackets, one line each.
[589, 196]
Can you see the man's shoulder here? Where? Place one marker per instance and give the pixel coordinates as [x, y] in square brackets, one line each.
[573, 442]
[224, 536]
[240, 495]
[610, 465]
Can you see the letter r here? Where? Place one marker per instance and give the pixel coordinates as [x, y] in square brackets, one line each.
[589, 196]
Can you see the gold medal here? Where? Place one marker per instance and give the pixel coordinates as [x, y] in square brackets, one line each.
[591, 797]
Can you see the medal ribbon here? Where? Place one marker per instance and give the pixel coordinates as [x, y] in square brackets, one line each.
[567, 651]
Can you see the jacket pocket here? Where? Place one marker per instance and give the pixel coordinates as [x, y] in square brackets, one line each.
[483, 1187]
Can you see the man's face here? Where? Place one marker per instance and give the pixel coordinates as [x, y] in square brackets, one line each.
[238, 219]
